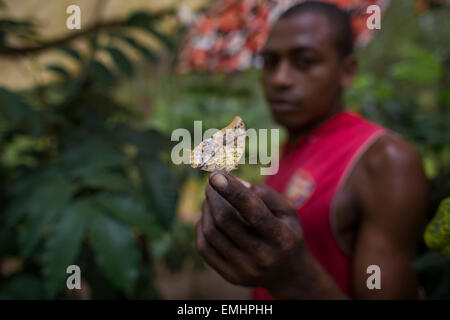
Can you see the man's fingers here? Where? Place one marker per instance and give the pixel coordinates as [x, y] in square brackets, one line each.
[218, 239]
[212, 257]
[279, 205]
[235, 257]
[246, 202]
[245, 183]
[222, 208]
[276, 202]
[227, 220]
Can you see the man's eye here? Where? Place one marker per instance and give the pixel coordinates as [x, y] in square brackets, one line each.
[270, 61]
[303, 62]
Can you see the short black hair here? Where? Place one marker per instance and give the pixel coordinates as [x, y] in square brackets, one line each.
[339, 19]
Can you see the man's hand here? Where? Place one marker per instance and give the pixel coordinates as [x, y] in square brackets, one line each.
[252, 236]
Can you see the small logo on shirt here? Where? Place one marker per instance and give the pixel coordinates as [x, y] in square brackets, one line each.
[300, 187]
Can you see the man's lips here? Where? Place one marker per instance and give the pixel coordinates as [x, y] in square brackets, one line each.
[282, 105]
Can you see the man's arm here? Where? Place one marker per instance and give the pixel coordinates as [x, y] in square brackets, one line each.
[393, 196]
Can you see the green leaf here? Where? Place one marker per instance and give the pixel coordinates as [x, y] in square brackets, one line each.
[116, 252]
[32, 180]
[142, 139]
[100, 72]
[108, 181]
[45, 204]
[131, 212]
[121, 60]
[140, 19]
[175, 247]
[2, 39]
[145, 21]
[16, 26]
[12, 106]
[27, 194]
[63, 245]
[161, 37]
[161, 190]
[15, 212]
[428, 260]
[8, 241]
[21, 150]
[59, 70]
[149, 55]
[93, 41]
[90, 157]
[442, 289]
[24, 287]
[72, 53]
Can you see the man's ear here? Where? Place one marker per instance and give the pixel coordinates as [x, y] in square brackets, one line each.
[349, 71]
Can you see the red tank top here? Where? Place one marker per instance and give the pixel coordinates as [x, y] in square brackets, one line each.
[311, 172]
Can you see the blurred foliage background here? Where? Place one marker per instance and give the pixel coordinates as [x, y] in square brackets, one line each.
[85, 125]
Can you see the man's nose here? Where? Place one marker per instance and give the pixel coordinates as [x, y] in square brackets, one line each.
[282, 75]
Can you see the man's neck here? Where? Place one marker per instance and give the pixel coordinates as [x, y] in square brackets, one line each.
[298, 133]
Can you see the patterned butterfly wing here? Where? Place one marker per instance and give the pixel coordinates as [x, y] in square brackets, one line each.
[223, 151]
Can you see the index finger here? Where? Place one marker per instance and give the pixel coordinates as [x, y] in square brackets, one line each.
[250, 207]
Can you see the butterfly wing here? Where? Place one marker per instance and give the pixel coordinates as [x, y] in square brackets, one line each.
[223, 151]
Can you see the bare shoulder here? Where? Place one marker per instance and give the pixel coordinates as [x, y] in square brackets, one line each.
[392, 156]
[391, 183]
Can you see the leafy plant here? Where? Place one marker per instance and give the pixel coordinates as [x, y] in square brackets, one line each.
[81, 182]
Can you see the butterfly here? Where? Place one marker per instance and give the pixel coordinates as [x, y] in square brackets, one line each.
[223, 150]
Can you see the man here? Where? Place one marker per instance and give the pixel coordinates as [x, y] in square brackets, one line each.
[349, 194]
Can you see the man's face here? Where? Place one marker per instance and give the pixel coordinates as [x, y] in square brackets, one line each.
[303, 73]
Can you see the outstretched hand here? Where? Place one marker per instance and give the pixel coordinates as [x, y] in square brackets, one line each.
[249, 234]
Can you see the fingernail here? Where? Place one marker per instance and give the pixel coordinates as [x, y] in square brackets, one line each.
[219, 181]
[245, 183]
